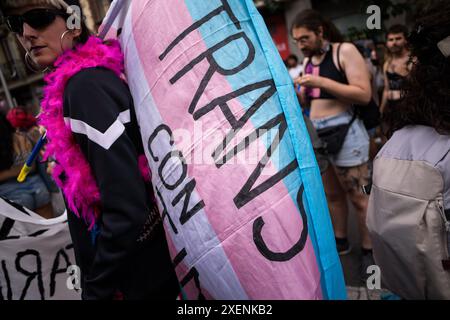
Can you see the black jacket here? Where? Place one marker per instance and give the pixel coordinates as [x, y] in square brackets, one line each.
[129, 253]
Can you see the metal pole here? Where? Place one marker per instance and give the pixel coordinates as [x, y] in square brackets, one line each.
[115, 10]
[6, 90]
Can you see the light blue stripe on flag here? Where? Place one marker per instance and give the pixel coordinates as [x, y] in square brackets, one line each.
[333, 283]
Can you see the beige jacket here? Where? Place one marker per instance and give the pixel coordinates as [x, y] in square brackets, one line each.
[406, 215]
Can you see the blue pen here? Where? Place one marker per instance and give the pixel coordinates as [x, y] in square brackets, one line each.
[29, 164]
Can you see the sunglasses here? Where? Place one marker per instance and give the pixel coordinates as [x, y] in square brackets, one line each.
[36, 18]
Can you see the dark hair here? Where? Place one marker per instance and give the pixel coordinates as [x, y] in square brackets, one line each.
[427, 89]
[398, 28]
[313, 20]
[6, 143]
[362, 50]
[292, 56]
[85, 33]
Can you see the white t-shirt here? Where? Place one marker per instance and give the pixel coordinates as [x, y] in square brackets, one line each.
[295, 72]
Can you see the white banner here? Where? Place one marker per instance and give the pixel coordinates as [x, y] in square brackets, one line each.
[34, 256]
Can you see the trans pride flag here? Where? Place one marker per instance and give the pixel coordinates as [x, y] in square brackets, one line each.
[233, 168]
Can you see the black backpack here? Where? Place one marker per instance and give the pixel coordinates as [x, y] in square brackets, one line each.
[370, 113]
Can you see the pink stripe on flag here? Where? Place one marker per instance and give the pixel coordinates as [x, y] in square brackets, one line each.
[295, 279]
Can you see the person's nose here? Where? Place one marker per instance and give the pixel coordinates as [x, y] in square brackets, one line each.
[28, 32]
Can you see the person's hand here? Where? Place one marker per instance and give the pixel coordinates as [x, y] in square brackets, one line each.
[41, 133]
[309, 81]
[50, 167]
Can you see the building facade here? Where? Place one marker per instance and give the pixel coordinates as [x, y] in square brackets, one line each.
[349, 16]
[25, 84]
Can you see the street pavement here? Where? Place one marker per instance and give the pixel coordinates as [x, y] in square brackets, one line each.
[356, 289]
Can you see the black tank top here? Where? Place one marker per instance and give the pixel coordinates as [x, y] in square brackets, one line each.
[396, 81]
[326, 69]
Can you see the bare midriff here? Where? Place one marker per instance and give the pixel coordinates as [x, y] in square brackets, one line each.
[394, 95]
[324, 108]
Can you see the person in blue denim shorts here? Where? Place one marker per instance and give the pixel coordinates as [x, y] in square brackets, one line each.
[15, 147]
[335, 77]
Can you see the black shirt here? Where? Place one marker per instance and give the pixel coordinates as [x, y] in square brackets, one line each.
[123, 256]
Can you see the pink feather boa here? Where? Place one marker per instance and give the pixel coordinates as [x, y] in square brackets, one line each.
[78, 185]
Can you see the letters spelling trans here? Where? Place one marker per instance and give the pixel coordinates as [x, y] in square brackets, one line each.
[248, 191]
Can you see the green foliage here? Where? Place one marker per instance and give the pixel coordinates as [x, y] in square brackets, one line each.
[354, 34]
[272, 5]
[390, 8]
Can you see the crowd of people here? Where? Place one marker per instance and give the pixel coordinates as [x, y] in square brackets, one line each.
[18, 135]
[340, 84]
[355, 102]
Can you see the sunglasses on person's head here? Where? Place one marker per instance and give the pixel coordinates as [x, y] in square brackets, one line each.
[35, 18]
